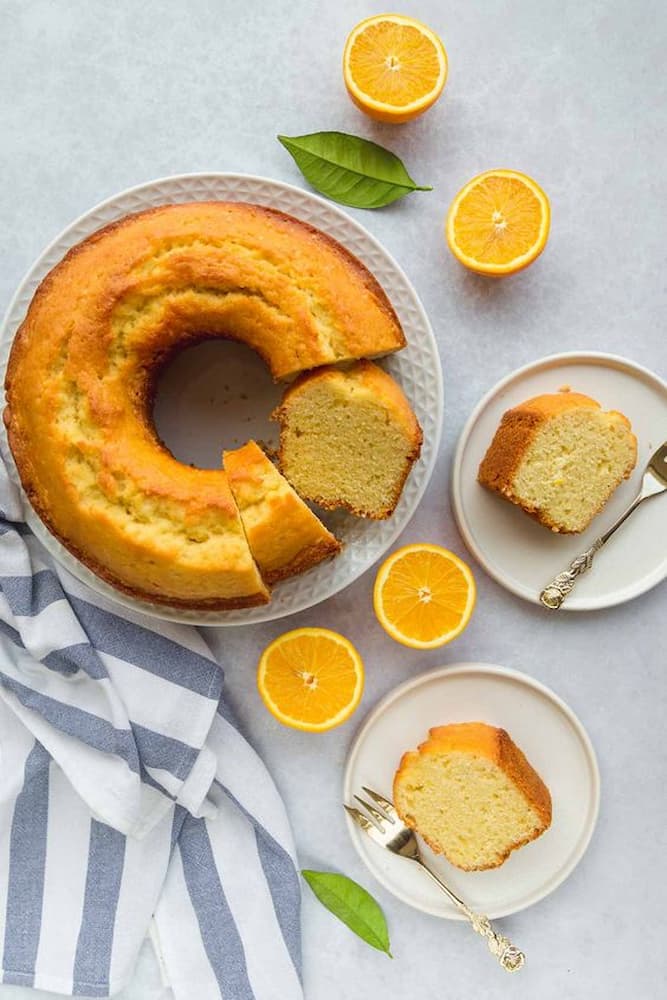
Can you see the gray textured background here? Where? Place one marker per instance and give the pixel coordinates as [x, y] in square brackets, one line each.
[97, 96]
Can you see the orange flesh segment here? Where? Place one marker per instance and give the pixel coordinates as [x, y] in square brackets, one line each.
[425, 596]
[310, 679]
[498, 220]
[394, 63]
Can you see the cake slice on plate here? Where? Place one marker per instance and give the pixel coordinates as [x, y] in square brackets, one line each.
[559, 457]
[472, 795]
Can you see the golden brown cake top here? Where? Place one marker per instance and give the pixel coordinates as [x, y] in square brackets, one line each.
[550, 403]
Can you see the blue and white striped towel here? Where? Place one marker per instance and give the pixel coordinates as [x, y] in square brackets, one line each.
[129, 801]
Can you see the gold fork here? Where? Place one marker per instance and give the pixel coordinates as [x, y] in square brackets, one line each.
[654, 482]
[387, 829]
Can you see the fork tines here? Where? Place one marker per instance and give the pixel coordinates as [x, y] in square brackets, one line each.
[384, 804]
[384, 813]
[358, 817]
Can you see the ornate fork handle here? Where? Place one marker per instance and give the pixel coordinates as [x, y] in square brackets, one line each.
[509, 956]
[555, 592]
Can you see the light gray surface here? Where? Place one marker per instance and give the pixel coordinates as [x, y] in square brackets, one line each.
[99, 96]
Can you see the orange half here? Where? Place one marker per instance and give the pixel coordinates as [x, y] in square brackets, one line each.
[311, 679]
[498, 223]
[424, 596]
[394, 67]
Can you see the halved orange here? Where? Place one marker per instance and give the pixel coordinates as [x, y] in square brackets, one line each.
[311, 679]
[394, 67]
[424, 596]
[498, 223]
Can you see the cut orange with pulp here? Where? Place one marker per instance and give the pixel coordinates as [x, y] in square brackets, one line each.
[311, 679]
[498, 223]
[394, 67]
[424, 596]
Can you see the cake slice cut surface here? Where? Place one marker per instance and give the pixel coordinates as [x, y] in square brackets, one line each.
[559, 457]
[472, 795]
[284, 535]
[348, 438]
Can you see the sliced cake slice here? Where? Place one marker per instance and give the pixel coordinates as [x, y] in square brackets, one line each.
[348, 438]
[472, 795]
[284, 535]
[559, 457]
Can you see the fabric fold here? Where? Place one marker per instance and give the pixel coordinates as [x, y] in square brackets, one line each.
[145, 800]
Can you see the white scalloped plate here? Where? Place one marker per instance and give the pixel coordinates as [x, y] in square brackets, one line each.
[417, 369]
[555, 743]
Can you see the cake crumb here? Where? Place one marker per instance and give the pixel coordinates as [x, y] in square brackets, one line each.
[564, 388]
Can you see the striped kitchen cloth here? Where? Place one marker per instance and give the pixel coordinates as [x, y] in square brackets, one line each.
[129, 801]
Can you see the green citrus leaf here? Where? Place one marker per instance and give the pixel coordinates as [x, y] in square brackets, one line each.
[348, 901]
[350, 170]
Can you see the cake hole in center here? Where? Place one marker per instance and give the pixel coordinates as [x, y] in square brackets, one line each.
[215, 395]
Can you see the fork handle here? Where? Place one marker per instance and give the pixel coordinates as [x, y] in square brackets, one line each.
[509, 956]
[555, 592]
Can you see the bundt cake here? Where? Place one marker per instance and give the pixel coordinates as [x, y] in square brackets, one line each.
[84, 363]
[284, 535]
[559, 457]
[472, 795]
[348, 438]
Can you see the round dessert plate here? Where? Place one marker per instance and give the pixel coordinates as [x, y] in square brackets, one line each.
[199, 381]
[554, 742]
[523, 555]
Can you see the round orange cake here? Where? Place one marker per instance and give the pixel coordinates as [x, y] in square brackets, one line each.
[83, 369]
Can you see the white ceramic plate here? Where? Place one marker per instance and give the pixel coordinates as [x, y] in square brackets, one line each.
[524, 556]
[553, 740]
[417, 368]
